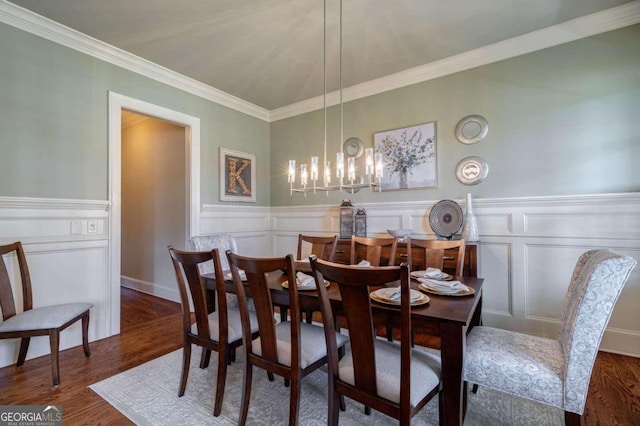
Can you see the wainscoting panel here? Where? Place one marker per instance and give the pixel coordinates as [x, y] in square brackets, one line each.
[66, 245]
[527, 250]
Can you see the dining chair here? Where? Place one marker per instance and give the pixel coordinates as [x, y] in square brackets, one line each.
[376, 251]
[323, 247]
[290, 349]
[389, 377]
[220, 331]
[422, 254]
[39, 321]
[555, 372]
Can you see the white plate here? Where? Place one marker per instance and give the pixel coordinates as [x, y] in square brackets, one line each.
[468, 292]
[421, 274]
[382, 295]
[285, 284]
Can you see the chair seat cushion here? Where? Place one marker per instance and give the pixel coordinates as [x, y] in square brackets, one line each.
[312, 343]
[519, 364]
[426, 371]
[234, 322]
[45, 317]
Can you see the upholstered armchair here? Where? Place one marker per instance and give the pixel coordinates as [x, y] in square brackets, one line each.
[554, 372]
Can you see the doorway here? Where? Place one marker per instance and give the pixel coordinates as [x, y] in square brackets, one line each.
[153, 202]
[191, 125]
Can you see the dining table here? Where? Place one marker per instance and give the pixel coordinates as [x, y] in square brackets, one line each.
[445, 316]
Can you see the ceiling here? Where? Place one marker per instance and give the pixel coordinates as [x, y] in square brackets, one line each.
[270, 52]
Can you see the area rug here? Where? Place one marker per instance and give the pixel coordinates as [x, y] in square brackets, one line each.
[148, 395]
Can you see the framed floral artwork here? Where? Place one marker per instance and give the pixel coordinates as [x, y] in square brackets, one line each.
[237, 176]
[409, 156]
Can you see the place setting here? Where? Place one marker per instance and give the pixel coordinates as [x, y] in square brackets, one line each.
[391, 296]
[304, 282]
[434, 281]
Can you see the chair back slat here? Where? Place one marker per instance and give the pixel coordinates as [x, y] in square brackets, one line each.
[7, 301]
[186, 267]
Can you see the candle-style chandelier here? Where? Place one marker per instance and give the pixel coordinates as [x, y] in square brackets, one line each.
[349, 178]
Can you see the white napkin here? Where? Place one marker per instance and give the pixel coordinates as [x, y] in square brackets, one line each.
[305, 259]
[432, 273]
[304, 280]
[364, 263]
[229, 276]
[444, 285]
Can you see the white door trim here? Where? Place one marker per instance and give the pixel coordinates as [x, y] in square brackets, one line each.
[192, 145]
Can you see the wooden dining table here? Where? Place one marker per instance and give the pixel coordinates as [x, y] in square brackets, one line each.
[447, 317]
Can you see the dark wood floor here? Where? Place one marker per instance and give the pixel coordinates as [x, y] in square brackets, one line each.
[150, 327]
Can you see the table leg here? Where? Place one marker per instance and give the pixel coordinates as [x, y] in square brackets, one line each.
[452, 351]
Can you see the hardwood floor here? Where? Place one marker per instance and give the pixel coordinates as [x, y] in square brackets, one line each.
[150, 327]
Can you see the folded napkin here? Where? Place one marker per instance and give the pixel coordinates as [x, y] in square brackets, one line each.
[444, 285]
[364, 263]
[229, 276]
[432, 273]
[304, 280]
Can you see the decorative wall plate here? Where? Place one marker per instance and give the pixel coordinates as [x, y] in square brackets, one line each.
[445, 218]
[353, 147]
[472, 129]
[472, 170]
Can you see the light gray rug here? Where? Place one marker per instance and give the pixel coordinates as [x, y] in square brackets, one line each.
[148, 395]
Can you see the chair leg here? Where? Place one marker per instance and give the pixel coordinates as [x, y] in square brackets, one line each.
[308, 316]
[270, 376]
[294, 400]
[571, 419]
[246, 393]
[389, 333]
[335, 402]
[186, 361]
[367, 410]
[222, 377]
[24, 347]
[85, 335]
[205, 358]
[474, 388]
[54, 343]
[343, 403]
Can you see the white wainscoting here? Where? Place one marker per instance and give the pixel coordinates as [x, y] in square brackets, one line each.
[527, 250]
[68, 262]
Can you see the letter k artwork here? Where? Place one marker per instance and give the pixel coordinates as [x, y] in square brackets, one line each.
[235, 179]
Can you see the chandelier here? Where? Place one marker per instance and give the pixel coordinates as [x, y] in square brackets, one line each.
[349, 178]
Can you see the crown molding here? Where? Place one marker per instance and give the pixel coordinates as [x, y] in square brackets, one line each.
[589, 25]
[575, 29]
[33, 23]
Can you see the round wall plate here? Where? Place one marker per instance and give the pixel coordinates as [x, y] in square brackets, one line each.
[353, 147]
[472, 170]
[472, 129]
[445, 218]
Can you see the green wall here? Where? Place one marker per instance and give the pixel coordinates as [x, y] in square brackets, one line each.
[562, 121]
[53, 122]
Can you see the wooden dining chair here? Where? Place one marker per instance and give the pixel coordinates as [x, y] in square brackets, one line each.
[389, 377]
[422, 254]
[554, 372]
[323, 247]
[290, 349]
[377, 251]
[219, 331]
[39, 321]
